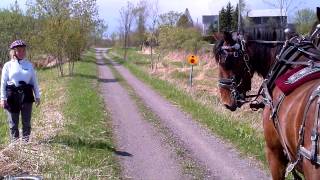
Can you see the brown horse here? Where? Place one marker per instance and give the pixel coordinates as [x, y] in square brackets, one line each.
[290, 121]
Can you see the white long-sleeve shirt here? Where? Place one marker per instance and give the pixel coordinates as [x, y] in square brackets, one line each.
[14, 71]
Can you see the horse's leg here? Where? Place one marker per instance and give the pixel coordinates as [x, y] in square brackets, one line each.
[277, 163]
[276, 158]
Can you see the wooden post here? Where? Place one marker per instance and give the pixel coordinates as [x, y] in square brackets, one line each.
[191, 71]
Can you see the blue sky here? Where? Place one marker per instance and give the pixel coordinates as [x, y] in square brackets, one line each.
[109, 9]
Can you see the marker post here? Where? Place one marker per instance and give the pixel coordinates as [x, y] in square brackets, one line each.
[193, 60]
[191, 72]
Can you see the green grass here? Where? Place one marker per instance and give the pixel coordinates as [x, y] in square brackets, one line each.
[87, 136]
[176, 64]
[240, 134]
[3, 128]
[83, 148]
[180, 75]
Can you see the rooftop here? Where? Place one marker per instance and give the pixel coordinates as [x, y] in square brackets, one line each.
[266, 13]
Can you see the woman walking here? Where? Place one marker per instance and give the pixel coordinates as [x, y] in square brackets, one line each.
[19, 89]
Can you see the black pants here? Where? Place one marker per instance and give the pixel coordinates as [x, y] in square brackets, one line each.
[13, 120]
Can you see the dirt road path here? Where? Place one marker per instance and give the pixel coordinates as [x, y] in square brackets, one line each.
[221, 160]
[142, 153]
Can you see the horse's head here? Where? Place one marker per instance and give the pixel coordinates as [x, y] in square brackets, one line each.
[234, 71]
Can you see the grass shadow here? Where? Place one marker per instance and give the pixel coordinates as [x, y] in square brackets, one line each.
[78, 143]
[142, 63]
[108, 80]
[86, 76]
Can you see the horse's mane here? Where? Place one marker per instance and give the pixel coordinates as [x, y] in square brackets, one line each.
[264, 33]
[263, 54]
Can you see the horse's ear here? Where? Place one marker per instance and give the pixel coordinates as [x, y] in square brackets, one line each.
[318, 13]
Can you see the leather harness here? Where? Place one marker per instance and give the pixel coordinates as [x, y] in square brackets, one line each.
[291, 51]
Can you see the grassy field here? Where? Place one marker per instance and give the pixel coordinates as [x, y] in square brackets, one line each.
[72, 133]
[3, 127]
[240, 133]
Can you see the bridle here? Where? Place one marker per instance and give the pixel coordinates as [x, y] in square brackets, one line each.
[232, 84]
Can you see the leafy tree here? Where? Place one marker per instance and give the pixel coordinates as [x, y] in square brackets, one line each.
[304, 19]
[153, 35]
[284, 6]
[170, 18]
[66, 28]
[178, 38]
[141, 14]
[127, 16]
[59, 28]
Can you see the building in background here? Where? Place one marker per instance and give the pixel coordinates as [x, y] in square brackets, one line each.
[266, 24]
[267, 16]
[210, 24]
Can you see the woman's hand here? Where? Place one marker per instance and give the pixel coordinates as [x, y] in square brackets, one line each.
[3, 104]
[37, 102]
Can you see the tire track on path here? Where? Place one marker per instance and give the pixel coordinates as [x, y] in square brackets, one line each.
[142, 153]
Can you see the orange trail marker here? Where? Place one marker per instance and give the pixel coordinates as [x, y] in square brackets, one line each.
[192, 60]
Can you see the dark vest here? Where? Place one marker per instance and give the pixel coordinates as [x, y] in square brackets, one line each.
[17, 96]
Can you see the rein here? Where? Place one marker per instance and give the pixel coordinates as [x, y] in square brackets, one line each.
[266, 42]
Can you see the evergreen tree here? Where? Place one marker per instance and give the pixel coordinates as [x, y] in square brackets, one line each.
[187, 13]
[229, 13]
[235, 15]
[185, 20]
[228, 18]
[223, 19]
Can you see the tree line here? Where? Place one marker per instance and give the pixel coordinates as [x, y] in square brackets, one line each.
[62, 29]
[228, 17]
[141, 25]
